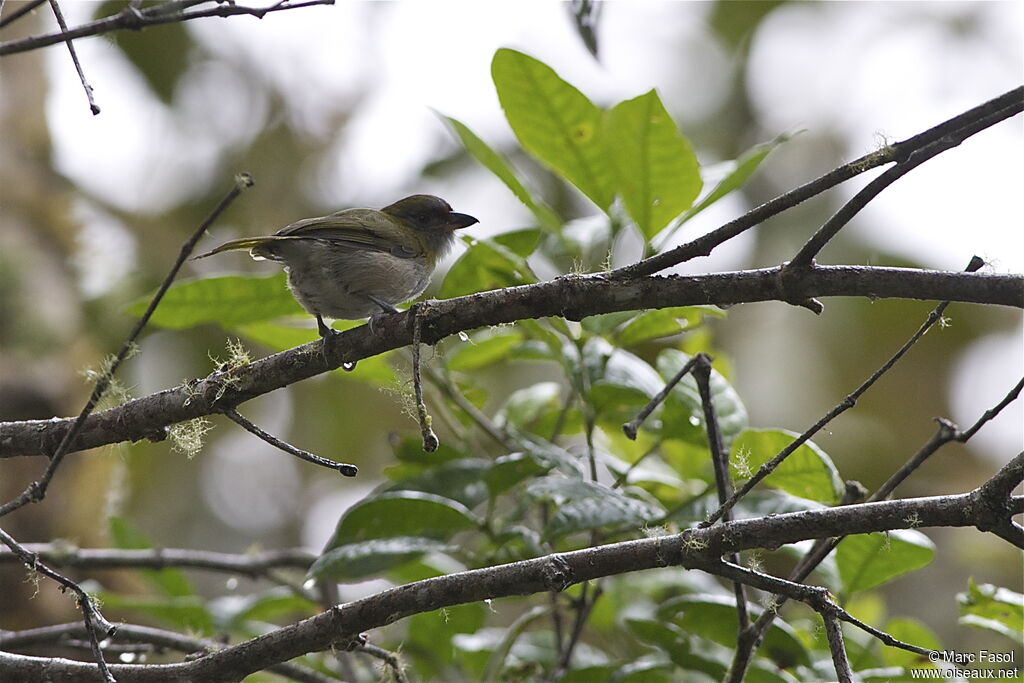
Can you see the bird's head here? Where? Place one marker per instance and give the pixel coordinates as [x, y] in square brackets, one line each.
[428, 214]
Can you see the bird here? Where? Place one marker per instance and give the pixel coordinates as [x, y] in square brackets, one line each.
[360, 263]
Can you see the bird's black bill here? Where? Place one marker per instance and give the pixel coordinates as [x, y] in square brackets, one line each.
[457, 221]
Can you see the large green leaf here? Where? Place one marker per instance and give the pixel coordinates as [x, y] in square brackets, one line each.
[372, 556]
[656, 171]
[993, 608]
[554, 122]
[869, 560]
[500, 167]
[486, 265]
[230, 301]
[484, 349]
[663, 322]
[714, 617]
[807, 472]
[582, 505]
[402, 513]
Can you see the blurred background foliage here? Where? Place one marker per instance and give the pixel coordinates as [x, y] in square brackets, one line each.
[331, 107]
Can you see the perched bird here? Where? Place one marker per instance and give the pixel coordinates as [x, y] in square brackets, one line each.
[359, 263]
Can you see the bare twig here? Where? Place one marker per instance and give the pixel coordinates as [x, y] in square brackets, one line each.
[847, 403]
[430, 442]
[346, 469]
[834, 633]
[823, 547]
[1007, 105]
[390, 659]
[134, 19]
[93, 620]
[254, 564]
[630, 428]
[74, 57]
[720, 463]
[20, 12]
[832, 226]
[137, 637]
[36, 491]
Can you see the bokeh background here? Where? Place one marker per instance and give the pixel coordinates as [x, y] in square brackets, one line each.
[330, 107]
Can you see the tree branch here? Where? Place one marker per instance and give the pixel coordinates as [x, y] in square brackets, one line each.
[572, 297]
[692, 549]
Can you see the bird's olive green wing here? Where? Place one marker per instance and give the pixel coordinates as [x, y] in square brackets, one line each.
[358, 229]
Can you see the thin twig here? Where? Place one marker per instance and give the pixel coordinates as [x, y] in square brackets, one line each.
[815, 597]
[446, 387]
[823, 547]
[36, 491]
[430, 441]
[584, 608]
[148, 636]
[346, 469]
[1007, 104]
[393, 662]
[847, 403]
[720, 463]
[249, 564]
[20, 12]
[94, 621]
[134, 19]
[834, 633]
[841, 218]
[631, 427]
[74, 57]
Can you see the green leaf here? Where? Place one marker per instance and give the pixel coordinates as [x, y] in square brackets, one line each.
[482, 351]
[714, 617]
[525, 406]
[186, 612]
[743, 168]
[869, 560]
[993, 608]
[509, 470]
[582, 505]
[663, 322]
[402, 513]
[236, 612]
[656, 171]
[808, 472]
[522, 243]
[372, 556]
[459, 480]
[484, 266]
[229, 301]
[554, 122]
[500, 167]
[428, 629]
[168, 581]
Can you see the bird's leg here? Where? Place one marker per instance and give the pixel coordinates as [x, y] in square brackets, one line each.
[323, 329]
[325, 334]
[386, 309]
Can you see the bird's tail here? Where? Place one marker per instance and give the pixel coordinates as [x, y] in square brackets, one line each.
[253, 244]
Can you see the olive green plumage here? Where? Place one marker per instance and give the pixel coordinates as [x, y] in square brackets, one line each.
[359, 263]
